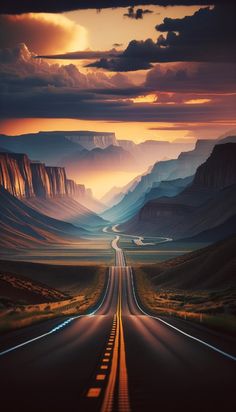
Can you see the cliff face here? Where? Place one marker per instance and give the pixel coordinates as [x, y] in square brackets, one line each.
[57, 180]
[41, 182]
[91, 140]
[75, 190]
[208, 202]
[15, 174]
[25, 179]
[219, 171]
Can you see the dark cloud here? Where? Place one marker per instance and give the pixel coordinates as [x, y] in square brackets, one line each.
[117, 45]
[207, 35]
[121, 64]
[68, 103]
[137, 14]
[34, 88]
[57, 6]
[193, 78]
[83, 55]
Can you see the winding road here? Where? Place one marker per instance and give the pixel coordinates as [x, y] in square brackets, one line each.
[117, 358]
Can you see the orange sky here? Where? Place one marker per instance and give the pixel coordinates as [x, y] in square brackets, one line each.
[136, 131]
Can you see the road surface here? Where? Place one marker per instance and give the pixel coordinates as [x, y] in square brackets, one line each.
[116, 359]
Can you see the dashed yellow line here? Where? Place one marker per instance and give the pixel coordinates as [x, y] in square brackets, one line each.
[113, 365]
[118, 359]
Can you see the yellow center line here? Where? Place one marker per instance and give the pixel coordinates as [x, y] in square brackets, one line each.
[118, 358]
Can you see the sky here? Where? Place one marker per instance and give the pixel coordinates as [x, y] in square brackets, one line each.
[152, 71]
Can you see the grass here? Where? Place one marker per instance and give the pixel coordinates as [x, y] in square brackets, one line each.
[213, 308]
[21, 315]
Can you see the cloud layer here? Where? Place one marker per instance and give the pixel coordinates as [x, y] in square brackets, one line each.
[56, 6]
[44, 33]
[206, 36]
[34, 88]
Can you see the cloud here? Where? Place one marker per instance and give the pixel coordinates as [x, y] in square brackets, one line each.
[206, 36]
[193, 78]
[55, 6]
[137, 14]
[44, 33]
[121, 64]
[34, 88]
[20, 69]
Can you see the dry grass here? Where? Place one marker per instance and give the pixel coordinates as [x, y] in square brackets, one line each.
[24, 315]
[213, 308]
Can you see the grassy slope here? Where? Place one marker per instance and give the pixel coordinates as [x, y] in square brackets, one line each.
[65, 290]
[200, 286]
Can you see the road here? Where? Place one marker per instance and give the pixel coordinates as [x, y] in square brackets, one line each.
[116, 359]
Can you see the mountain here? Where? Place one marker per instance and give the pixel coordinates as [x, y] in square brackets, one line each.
[22, 226]
[218, 232]
[67, 209]
[77, 149]
[116, 194]
[205, 204]
[48, 147]
[212, 267]
[151, 151]
[97, 160]
[185, 165]
[91, 140]
[168, 188]
[46, 189]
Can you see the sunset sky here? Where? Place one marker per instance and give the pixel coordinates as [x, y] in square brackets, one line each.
[169, 77]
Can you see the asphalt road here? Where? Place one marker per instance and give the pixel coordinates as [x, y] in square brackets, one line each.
[117, 359]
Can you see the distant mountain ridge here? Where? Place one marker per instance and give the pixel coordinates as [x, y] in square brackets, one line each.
[184, 166]
[77, 149]
[25, 179]
[209, 201]
[47, 190]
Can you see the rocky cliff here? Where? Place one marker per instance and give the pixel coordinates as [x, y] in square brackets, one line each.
[15, 174]
[57, 179]
[75, 190]
[207, 202]
[219, 170]
[90, 140]
[25, 179]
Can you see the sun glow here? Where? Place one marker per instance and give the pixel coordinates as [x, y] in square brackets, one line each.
[148, 98]
[197, 101]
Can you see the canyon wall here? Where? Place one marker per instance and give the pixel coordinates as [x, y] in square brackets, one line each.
[219, 171]
[25, 179]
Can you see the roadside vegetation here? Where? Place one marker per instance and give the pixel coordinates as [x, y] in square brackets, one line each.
[199, 286]
[24, 302]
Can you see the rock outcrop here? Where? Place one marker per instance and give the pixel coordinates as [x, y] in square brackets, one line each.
[75, 190]
[208, 202]
[25, 179]
[15, 174]
[90, 140]
[219, 170]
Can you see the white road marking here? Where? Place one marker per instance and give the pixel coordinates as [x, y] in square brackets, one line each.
[58, 327]
[227, 355]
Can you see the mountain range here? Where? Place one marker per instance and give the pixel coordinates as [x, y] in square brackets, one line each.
[206, 204]
[184, 166]
[47, 190]
[84, 152]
